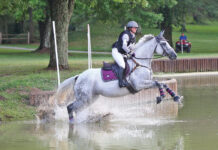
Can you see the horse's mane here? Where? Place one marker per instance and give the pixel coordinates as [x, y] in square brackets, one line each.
[142, 40]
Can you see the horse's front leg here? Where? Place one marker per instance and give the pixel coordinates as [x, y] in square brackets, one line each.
[175, 97]
[162, 94]
[146, 84]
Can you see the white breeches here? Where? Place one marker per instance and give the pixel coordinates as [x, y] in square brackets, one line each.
[118, 58]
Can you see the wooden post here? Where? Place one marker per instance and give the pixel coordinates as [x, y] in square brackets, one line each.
[0, 38]
[28, 37]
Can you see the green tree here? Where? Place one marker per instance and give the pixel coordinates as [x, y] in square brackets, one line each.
[22, 11]
[166, 24]
[200, 11]
[61, 12]
[165, 8]
[116, 11]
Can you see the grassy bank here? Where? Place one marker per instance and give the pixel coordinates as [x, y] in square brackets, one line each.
[21, 71]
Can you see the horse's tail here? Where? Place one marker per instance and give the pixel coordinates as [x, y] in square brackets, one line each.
[65, 92]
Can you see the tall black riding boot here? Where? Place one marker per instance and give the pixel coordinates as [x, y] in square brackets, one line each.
[121, 78]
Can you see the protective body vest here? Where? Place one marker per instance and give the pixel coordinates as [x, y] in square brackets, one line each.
[119, 44]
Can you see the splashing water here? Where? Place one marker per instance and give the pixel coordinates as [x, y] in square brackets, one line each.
[61, 113]
[140, 108]
[127, 111]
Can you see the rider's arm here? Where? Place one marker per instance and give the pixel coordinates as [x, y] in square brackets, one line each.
[125, 39]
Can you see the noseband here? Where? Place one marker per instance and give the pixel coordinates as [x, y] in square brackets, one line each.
[163, 46]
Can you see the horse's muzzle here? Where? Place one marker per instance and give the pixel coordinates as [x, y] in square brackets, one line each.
[172, 56]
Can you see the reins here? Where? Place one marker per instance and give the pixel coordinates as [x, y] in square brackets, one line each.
[137, 65]
[149, 58]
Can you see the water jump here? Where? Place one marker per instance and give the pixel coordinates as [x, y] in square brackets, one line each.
[87, 86]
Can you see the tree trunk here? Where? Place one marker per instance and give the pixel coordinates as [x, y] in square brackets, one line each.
[44, 32]
[31, 25]
[61, 12]
[183, 27]
[5, 26]
[166, 24]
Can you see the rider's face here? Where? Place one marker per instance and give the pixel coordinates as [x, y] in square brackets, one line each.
[133, 30]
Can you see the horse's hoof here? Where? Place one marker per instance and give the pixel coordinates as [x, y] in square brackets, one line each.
[71, 120]
[176, 98]
[72, 117]
[158, 99]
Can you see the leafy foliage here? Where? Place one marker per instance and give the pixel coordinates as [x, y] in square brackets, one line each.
[19, 8]
[119, 11]
[191, 11]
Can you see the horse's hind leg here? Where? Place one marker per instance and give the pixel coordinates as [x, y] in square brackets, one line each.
[74, 106]
[82, 100]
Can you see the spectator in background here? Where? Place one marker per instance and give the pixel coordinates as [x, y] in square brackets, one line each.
[183, 37]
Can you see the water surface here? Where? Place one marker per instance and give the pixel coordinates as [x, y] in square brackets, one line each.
[194, 128]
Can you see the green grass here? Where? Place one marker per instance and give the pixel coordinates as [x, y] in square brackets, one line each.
[32, 45]
[20, 71]
[203, 38]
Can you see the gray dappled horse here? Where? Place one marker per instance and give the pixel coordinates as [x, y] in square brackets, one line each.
[87, 86]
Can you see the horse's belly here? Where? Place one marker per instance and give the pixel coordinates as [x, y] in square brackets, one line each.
[111, 89]
[91, 82]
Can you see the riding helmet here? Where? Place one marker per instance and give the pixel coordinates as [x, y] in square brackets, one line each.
[132, 24]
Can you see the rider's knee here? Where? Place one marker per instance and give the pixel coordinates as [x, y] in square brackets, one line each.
[114, 51]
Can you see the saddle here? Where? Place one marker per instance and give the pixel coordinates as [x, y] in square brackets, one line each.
[109, 71]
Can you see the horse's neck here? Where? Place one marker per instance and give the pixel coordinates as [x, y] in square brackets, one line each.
[146, 50]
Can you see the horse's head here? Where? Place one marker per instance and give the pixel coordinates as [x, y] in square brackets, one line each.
[163, 47]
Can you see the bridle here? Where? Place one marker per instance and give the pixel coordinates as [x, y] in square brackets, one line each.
[158, 39]
[163, 46]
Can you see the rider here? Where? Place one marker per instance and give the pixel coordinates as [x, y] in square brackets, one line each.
[123, 46]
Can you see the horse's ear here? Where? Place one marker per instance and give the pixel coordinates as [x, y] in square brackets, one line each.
[160, 36]
[162, 33]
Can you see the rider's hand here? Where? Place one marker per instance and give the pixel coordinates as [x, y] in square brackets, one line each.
[131, 54]
[131, 46]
